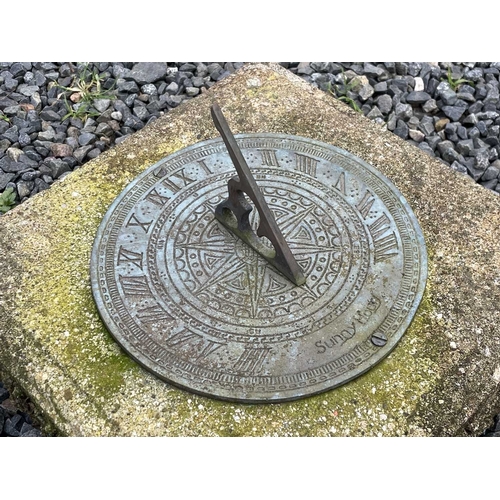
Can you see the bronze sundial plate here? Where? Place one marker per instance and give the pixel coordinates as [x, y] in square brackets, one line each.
[196, 306]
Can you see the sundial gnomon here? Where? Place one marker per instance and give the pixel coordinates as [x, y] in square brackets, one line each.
[198, 307]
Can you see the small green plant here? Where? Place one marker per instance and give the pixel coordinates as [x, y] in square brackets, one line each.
[454, 84]
[86, 88]
[4, 117]
[81, 111]
[7, 200]
[341, 92]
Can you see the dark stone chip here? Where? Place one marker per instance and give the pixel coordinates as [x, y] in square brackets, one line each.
[444, 145]
[58, 167]
[464, 96]
[430, 106]
[188, 67]
[10, 84]
[459, 167]
[318, 67]
[81, 153]
[390, 66]
[474, 74]
[127, 86]
[134, 122]
[427, 125]
[482, 160]
[11, 134]
[104, 129]
[41, 184]
[50, 115]
[141, 112]
[4, 125]
[4, 180]
[130, 99]
[86, 138]
[450, 155]
[464, 147]
[10, 430]
[32, 433]
[373, 71]
[93, 153]
[17, 69]
[492, 184]
[71, 161]
[399, 83]
[425, 147]
[488, 115]
[449, 97]
[401, 129]
[414, 68]
[401, 68]
[492, 172]
[482, 127]
[462, 132]
[492, 141]
[384, 103]
[380, 87]
[481, 92]
[24, 139]
[147, 72]
[65, 70]
[418, 97]
[453, 112]
[30, 175]
[5, 102]
[9, 166]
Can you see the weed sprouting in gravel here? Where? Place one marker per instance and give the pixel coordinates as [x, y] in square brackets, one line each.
[7, 200]
[84, 90]
[341, 92]
[455, 83]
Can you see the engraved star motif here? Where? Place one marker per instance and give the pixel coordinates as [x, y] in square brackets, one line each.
[232, 268]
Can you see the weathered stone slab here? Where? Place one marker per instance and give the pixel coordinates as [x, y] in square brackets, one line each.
[441, 379]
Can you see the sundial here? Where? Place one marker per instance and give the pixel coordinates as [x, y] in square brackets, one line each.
[265, 284]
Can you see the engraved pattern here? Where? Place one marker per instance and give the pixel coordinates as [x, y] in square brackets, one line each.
[222, 281]
[199, 308]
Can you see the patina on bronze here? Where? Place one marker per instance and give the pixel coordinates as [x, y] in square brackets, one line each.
[199, 308]
[234, 212]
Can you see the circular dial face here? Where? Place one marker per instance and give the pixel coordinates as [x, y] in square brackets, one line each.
[199, 308]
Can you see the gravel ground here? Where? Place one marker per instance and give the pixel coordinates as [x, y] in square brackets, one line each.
[54, 117]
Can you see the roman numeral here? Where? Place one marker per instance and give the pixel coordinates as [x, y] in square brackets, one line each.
[128, 256]
[153, 314]
[183, 179]
[269, 157]
[205, 167]
[365, 205]
[340, 184]
[205, 347]
[155, 197]
[252, 360]
[385, 246]
[380, 226]
[306, 164]
[181, 337]
[134, 221]
[134, 285]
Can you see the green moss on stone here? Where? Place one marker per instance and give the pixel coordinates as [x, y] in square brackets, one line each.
[56, 299]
